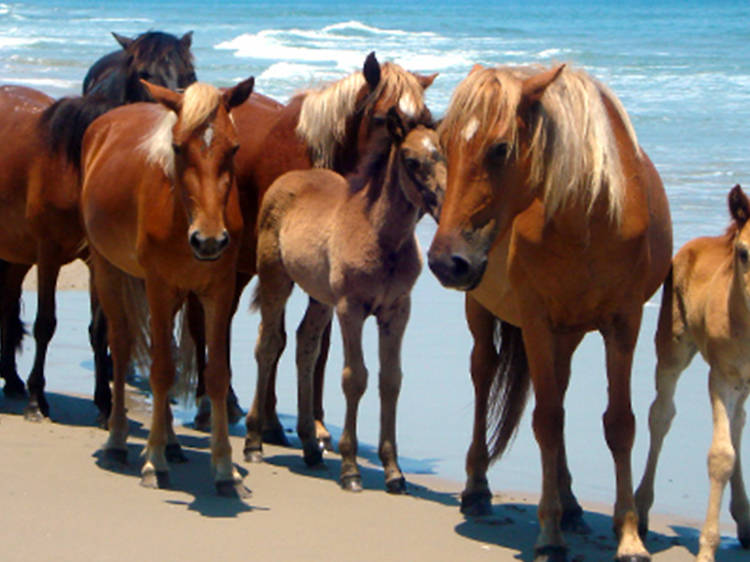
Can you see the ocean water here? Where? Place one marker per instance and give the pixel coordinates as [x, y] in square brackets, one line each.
[682, 70]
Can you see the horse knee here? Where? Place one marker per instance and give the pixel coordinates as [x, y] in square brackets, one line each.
[548, 423]
[44, 328]
[721, 458]
[354, 383]
[619, 430]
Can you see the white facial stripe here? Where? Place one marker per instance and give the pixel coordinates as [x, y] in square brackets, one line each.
[428, 144]
[208, 136]
[407, 105]
[471, 129]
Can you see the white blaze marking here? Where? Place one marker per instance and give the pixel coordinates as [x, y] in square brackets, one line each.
[208, 136]
[407, 105]
[428, 144]
[471, 129]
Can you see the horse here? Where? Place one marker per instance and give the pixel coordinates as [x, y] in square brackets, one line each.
[351, 246]
[160, 58]
[705, 308]
[42, 195]
[329, 127]
[159, 202]
[554, 223]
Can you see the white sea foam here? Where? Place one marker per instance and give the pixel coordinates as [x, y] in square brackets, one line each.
[56, 83]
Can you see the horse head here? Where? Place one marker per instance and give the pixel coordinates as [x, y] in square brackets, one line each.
[486, 132]
[199, 158]
[160, 58]
[739, 209]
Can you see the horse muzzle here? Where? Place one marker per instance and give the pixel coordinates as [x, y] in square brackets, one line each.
[456, 270]
[208, 248]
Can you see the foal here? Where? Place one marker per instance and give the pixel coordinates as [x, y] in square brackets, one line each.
[705, 307]
[350, 246]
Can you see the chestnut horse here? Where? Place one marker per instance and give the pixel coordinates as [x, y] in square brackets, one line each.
[159, 202]
[41, 187]
[705, 308]
[555, 223]
[328, 127]
[351, 247]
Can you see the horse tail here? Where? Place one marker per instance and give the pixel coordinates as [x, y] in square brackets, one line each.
[64, 123]
[16, 329]
[510, 388]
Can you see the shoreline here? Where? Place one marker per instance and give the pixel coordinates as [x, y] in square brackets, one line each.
[52, 469]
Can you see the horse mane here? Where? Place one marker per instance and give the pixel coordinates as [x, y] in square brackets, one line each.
[325, 111]
[199, 105]
[573, 150]
[152, 45]
[377, 159]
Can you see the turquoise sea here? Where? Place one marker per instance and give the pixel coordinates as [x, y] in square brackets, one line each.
[682, 70]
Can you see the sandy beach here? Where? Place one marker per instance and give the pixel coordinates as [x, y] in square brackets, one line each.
[62, 503]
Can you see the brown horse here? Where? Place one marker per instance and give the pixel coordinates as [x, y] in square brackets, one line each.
[329, 127]
[556, 223]
[705, 308]
[41, 192]
[159, 202]
[351, 247]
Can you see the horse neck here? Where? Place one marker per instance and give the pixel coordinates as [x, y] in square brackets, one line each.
[391, 214]
[739, 307]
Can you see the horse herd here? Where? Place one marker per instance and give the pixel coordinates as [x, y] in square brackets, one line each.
[551, 219]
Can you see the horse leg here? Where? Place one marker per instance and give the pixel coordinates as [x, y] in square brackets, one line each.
[234, 412]
[196, 323]
[721, 459]
[547, 421]
[109, 290]
[163, 303]
[48, 268]
[619, 430]
[321, 432]
[274, 289]
[12, 327]
[738, 506]
[476, 497]
[102, 361]
[218, 312]
[391, 326]
[354, 382]
[309, 335]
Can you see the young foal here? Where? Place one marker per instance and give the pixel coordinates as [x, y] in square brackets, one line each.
[164, 207]
[350, 246]
[705, 308]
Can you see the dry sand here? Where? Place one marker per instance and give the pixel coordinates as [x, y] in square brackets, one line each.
[60, 503]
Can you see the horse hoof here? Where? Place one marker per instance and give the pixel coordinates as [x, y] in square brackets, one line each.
[744, 541]
[551, 554]
[33, 414]
[155, 479]
[275, 437]
[253, 455]
[232, 489]
[116, 457]
[396, 485]
[476, 504]
[572, 522]
[14, 389]
[313, 456]
[174, 453]
[634, 558]
[325, 444]
[351, 483]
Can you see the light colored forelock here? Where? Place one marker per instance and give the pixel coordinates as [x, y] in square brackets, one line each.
[198, 104]
[157, 144]
[573, 151]
[325, 112]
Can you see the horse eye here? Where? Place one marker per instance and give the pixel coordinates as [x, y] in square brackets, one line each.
[144, 74]
[412, 164]
[743, 255]
[378, 120]
[176, 147]
[498, 151]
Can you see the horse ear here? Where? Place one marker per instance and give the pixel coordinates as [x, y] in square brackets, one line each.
[237, 95]
[395, 125]
[534, 87]
[125, 42]
[164, 96]
[739, 207]
[186, 40]
[371, 70]
[426, 81]
[476, 68]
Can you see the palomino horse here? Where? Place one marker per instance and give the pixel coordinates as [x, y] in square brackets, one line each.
[41, 187]
[351, 247]
[706, 307]
[160, 58]
[330, 127]
[556, 223]
[159, 202]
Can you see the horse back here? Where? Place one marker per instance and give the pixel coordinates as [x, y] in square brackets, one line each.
[112, 60]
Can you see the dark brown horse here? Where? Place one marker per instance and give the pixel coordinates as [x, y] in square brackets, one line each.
[350, 245]
[159, 202]
[41, 188]
[555, 223]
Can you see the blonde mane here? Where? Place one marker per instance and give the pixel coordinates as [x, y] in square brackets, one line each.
[325, 111]
[573, 150]
[198, 106]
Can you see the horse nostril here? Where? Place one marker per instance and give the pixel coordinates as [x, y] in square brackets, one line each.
[460, 266]
[223, 240]
[195, 240]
